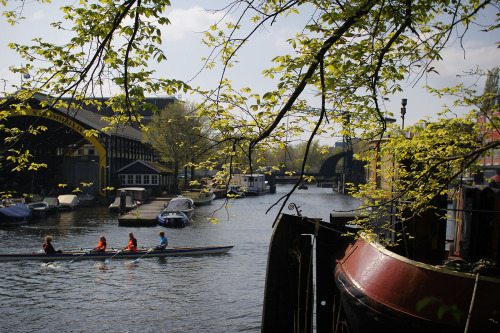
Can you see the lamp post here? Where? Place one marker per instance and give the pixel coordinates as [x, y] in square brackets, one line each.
[404, 101]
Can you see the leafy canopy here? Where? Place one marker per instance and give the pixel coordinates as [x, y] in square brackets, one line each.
[351, 54]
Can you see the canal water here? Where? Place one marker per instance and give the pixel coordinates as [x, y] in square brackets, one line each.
[219, 293]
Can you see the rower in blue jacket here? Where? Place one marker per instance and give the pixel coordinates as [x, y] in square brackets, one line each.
[163, 242]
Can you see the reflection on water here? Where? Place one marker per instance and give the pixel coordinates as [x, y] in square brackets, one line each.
[221, 293]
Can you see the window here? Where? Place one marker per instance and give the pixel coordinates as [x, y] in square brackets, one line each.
[81, 151]
[146, 179]
[154, 179]
[138, 179]
[122, 179]
[91, 152]
[130, 179]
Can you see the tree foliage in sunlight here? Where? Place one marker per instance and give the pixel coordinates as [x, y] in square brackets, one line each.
[180, 136]
[351, 54]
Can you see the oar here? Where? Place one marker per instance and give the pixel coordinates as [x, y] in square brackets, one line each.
[136, 260]
[117, 252]
[81, 255]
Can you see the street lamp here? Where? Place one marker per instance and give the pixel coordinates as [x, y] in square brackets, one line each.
[404, 101]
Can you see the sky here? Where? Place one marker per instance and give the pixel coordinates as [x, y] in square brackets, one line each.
[181, 44]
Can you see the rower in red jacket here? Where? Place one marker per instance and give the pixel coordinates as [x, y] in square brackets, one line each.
[132, 243]
[47, 246]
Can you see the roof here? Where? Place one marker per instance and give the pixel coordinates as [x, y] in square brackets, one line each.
[92, 120]
[160, 102]
[142, 167]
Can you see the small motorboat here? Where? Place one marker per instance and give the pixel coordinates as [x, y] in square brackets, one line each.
[67, 201]
[129, 205]
[53, 203]
[86, 200]
[181, 204]
[236, 191]
[39, 209]
[172, 219]
[16, 214]
[302, 187]
[200, 197]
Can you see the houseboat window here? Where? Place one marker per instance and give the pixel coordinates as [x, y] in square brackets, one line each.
[130, 179]
[138, 179]
[91, 152]
[146, 179]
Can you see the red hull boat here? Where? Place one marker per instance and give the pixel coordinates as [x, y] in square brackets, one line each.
[385, 292]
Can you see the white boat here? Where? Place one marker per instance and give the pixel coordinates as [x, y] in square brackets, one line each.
[39, 209]
[53, 203]
[138, 194]
[236, 191]
[129, 205]
[255, 184]
[67, 201]
[200, 197]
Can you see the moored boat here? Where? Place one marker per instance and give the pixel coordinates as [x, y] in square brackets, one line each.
[53, 203]
[139, 195]
[39, 209]
[67, 201]
[181, 204]
[255, 184]
[15, 214]
[169, 252]
[200, 197]
[387, 292]
[114, 207]
[173, 219]
[236, 191]
[86, 200]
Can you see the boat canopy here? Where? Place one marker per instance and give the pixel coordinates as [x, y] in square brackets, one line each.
[180, 204]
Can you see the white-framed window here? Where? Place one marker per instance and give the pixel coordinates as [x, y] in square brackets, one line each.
[145, 179]
[138, 179]
[122, 179]
[130, 179]
[154, 179]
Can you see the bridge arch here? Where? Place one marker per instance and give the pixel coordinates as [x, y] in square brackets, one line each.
[329, 166]
[77, 128]
[66, 135]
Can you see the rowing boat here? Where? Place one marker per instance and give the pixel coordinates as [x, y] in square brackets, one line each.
[187, 251]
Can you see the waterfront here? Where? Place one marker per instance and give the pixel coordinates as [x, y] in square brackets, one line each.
[222, 293]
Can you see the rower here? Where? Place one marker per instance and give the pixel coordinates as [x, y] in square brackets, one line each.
[132, 243]
[47, 246]
[163, 242]
[101, 246]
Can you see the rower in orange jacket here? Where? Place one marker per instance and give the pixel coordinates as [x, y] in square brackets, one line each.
[132, 243]
[101, 247]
